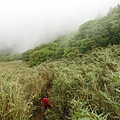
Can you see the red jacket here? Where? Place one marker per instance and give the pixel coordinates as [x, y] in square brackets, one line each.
[46, 102]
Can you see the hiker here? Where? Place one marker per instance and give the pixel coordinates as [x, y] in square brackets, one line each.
[46, 103]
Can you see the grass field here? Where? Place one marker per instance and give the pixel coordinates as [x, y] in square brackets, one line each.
[84, 88]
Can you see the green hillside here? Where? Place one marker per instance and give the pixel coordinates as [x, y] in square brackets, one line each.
[95, 33]
[86, 88]
[80, 73]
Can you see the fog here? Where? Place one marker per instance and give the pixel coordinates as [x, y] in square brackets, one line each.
[27, 23]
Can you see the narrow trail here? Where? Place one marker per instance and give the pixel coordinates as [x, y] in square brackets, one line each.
[40, 114]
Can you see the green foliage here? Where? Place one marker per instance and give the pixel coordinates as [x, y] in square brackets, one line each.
[92, 34]
[39, 56]
[20, 89]
[82, 88]
[100, 32]
[85, 88]
[51, 51]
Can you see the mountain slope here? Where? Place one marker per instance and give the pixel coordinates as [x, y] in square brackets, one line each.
[95, 33]
[84, 88]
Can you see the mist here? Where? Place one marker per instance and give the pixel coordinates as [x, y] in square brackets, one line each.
[25, 24]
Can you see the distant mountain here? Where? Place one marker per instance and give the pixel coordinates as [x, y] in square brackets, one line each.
[4, 49]
[8, 54]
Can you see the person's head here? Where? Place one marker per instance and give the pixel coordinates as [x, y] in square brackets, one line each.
[46, 96]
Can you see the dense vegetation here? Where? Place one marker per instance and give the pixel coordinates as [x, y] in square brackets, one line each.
[88, 87]
[95, 33]
[80, 72]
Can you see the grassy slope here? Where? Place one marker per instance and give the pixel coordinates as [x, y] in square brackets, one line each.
[19, 86]
[87, 87]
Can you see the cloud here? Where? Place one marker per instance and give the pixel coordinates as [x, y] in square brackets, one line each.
[23, 23]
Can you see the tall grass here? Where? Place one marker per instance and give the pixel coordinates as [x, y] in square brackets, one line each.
[84, 88]
[20, 89]
[88, 88]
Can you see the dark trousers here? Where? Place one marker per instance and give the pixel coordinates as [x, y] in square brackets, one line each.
[47, 107]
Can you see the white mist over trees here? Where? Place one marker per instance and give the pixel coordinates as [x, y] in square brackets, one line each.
[26, 23]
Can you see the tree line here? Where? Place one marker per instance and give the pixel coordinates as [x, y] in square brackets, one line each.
[94, 33]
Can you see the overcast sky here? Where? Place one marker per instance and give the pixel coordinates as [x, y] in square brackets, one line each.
[23, 23]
